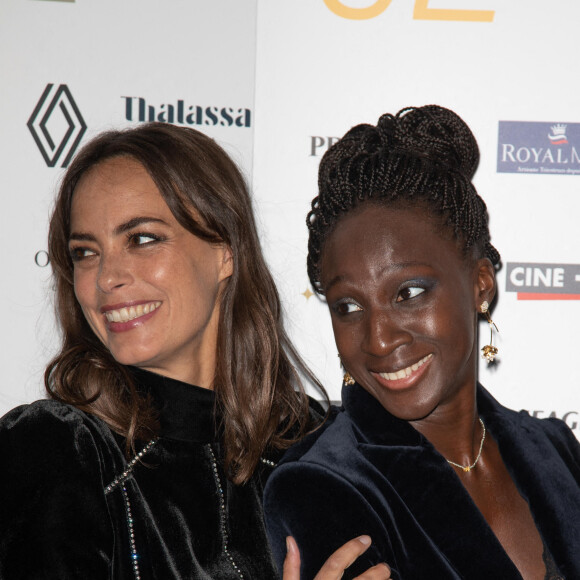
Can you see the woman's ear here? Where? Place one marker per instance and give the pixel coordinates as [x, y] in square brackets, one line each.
[485, 285]
[227, 265]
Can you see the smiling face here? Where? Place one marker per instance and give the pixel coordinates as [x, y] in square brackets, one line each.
[149, 288]
[403, 302]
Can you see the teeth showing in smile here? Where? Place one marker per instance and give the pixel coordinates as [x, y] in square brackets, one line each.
[132, 312]
[403, 373]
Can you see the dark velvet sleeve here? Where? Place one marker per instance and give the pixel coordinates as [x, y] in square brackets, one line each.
[54, 521]
[322, 511]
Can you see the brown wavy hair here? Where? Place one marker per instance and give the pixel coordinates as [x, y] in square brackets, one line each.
[259, 394]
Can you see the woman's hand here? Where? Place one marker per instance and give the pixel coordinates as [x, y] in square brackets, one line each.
[337, 563]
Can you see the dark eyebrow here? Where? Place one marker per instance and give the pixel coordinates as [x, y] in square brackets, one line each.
[395, 267]
[137, 221]
[120, 229]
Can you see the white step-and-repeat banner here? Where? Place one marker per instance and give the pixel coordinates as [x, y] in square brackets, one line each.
[276, 82]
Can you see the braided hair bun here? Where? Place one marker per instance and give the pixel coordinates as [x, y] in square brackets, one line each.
[424, 155]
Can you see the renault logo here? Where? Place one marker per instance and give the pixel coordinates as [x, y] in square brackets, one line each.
[57, 125]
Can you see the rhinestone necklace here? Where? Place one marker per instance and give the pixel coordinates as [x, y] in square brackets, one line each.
[470, 467]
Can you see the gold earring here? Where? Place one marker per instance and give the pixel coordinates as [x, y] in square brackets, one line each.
[489, 351]
[348, 380]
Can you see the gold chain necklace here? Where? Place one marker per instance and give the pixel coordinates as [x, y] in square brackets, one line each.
[470, 467]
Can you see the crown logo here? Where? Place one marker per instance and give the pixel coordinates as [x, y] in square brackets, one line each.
[558, 130]
[558, 135]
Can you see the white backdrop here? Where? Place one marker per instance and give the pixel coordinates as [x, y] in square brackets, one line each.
[307, 70]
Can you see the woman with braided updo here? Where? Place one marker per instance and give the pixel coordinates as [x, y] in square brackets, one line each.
[447, 482]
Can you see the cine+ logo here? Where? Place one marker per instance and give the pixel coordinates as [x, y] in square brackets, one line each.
[57, 125]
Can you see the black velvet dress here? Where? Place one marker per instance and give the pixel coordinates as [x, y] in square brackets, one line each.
[367, 472]
[71, 506]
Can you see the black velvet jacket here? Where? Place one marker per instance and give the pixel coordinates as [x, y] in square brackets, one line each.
[67, 511]
[366, 472]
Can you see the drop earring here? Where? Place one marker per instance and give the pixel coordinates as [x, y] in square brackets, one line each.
[347, 379]
[489, 351]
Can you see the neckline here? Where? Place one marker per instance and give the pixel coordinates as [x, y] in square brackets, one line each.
[186, 412]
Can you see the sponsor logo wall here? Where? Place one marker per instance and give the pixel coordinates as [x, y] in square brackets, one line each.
[277, 83]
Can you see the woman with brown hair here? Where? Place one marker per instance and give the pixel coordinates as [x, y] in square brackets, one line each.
[449, 484]
[175, 389]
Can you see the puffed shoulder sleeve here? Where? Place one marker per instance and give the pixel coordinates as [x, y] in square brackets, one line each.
[322, 511]
[54, 520]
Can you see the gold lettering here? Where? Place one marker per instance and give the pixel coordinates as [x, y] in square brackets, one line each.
[423, 12]
[340, 9]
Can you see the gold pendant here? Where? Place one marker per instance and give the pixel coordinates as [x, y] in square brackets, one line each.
[489, 352]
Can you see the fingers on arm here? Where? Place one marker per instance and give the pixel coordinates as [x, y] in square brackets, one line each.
[378, 572]
[343, 558]
[291, 569]
[322, 510]
[340, 560]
